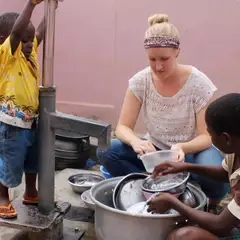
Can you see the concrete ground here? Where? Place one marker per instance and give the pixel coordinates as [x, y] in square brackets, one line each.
[63, 192]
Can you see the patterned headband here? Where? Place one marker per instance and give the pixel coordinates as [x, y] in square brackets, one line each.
[161, 41]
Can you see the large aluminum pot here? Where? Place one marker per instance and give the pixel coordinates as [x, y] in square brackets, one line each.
[114, 224]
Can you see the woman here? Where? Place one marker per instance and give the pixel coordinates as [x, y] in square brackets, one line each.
[173, 98]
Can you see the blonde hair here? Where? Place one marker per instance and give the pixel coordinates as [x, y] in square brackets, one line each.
[159, 26]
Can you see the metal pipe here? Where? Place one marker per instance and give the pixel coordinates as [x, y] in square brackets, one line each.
[48, 45]
[49, 119]
[47, 104]
[46, 177]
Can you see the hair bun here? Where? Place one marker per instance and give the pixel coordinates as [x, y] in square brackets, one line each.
[157, 19]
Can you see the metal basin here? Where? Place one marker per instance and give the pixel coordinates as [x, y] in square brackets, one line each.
[84, 181]
[111, 223]
[87, 199]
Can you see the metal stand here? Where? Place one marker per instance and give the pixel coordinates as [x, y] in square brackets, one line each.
[56, 232]
[50, 120]
[46, 151]
[46, 222]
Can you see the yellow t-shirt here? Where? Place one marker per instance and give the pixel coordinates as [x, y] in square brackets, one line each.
[234, 178]
[19, 90]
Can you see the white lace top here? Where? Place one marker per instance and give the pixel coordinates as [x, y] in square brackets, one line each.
[171, 120]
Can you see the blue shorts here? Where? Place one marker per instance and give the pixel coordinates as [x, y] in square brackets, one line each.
[18, 154]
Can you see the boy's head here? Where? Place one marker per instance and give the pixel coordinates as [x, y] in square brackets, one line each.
[7, 21]
[223, 122]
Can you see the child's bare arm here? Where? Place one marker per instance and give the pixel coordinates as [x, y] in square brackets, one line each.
[219, 225]
[40, 31]
[213, 172]
[41, 28]
[21, 24]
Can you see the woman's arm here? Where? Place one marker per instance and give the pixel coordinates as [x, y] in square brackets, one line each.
[128, 117]
[127, 121]
[203, 140]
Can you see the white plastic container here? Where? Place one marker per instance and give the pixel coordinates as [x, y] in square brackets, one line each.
[152, 159]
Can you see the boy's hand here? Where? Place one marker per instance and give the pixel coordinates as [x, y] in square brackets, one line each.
[161, 204]
[35, 2]
[168, 167]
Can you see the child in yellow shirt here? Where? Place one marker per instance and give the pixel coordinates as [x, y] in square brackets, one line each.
[19, 75]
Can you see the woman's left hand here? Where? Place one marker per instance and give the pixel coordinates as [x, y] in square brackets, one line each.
[181, 154]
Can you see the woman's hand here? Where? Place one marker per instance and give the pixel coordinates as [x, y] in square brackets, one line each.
[161, 204]
[169, 167]
[181, 155]
[142, 146]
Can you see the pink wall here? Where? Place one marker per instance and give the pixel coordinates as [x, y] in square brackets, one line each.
[10, 5]
[91, 77]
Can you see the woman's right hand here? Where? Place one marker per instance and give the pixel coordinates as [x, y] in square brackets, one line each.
[142, 146]
[168, 167]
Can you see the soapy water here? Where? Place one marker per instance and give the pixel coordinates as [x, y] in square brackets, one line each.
[141, 208]
[85, 183]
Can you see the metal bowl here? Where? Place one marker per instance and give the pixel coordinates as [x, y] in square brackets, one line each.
[87, 199]
[188, 198]
[174, 184]
[128, 191]
[83, 181]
